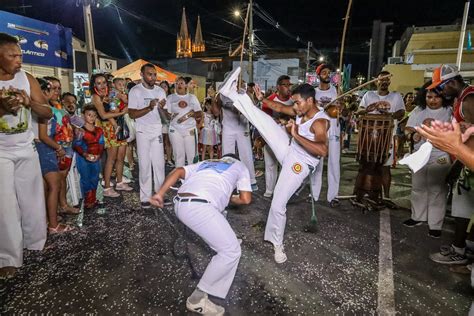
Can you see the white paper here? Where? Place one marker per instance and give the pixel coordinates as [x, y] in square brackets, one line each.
[418, 159]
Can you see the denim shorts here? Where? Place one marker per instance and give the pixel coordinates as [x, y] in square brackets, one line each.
[47, 157]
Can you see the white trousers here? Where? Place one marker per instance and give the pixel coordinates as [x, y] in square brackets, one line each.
[209, 224]
[151, 161]
[429, 193]
[22, 205]
[184, 145]
[271, 169]
[244, 146]
[293, 170]
[333, 171]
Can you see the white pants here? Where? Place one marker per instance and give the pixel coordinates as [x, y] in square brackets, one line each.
[209, 223]
[271, 169]
[244, 146]
[22, 205]
[463, 202]
[429, 193]
[290, 177]
[151, 161]
[333, 170]
[184, 145]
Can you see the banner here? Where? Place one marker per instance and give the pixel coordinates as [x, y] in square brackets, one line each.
[42, 43]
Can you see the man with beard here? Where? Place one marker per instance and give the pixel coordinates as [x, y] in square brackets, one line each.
[325, 93]
[298, 155]
[22, 206]
[142, 102]
[282, 96]
[381, 101]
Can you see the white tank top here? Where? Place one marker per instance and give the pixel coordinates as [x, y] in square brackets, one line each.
[304, 129]
[16, 131]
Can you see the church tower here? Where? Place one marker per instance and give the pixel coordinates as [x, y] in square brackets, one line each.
[198, 45]
[183, 40]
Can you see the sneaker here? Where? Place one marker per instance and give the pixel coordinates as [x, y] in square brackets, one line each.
[122, 186]
[469, 253]
[205, 307]
[110, 192]
[167, 202]
[412, 223]
[268, 194]
[434, 233]
[126, 180]
[170, 164]
[448, 255]
[145, 205]
[254, 187]
[112, 183]
[280, 255]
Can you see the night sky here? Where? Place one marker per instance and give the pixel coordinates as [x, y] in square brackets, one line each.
[149, 26]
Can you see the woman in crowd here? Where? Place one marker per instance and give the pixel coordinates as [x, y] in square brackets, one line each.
[166, 126]
[116, 148]
[429, 189]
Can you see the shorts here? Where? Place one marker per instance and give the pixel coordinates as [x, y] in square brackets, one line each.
[65, 162]
[47, 157]
[109, 136]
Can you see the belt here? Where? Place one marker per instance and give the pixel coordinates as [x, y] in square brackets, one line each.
[189, 199]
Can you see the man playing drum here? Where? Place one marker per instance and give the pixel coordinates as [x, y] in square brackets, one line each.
[373, 175]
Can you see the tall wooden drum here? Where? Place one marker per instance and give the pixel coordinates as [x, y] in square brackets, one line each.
[375, 138]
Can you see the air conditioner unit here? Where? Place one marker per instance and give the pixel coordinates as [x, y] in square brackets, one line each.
[395, 60]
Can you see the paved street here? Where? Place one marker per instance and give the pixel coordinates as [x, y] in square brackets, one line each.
[131, 261]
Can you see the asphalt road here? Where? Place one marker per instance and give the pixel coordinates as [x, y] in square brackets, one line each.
[125, 260]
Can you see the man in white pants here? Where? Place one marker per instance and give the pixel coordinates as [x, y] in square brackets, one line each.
[297, 158]
[203, 196]
[185, 110]
[22, 206]
[235, 130]
[142, 102]
[271, 164]
[325, 93]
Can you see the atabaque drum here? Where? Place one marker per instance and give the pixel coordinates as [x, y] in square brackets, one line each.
[375, 137]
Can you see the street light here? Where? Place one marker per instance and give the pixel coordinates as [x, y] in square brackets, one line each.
[236, 13]
[321, 59]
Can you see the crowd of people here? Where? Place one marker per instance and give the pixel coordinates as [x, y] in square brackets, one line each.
[45, 136]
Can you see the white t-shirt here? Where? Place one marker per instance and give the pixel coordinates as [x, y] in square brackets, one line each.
[139, 98]
[232, 120]
[393, 98]
[191, 104]
[304, 129]
[324, 97]
[418, 115]
[215, 180]
[16, 130]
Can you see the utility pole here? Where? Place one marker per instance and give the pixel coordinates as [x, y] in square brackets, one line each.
[89, 36]
[462, 35]
[251, 42]
[310, 44]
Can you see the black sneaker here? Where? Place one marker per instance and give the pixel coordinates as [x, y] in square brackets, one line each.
[412, 223]
[434, 233]
[145, 205]
[167, 202]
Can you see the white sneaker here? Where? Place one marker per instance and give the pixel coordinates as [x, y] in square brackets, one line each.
[126, 180]
[205, 307]
[110, 192]
[280, 255]
[122, 186]
[267, 194]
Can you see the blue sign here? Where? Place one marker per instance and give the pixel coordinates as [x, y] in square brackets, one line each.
[41, 43]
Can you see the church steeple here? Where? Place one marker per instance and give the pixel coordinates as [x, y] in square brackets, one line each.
[183, 41]
[198, 45]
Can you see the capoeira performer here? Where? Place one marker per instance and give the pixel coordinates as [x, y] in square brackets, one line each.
[22, 206]
[142, 102]
[271, 164]
[325, 93]
[236, 130]
[204, 194]
[185, 110]
[297, 157]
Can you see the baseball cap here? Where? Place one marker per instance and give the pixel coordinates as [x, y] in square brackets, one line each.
[442, 74]
[321, 67]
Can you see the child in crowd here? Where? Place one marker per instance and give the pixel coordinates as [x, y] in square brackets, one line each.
[89, 144]
[209, 136]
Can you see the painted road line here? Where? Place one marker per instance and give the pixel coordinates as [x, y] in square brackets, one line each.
[386, 289]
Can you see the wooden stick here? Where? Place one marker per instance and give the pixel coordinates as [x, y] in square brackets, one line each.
[243, 46]
[357, 88]
[346, 22]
